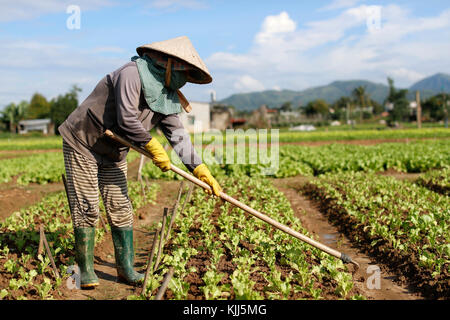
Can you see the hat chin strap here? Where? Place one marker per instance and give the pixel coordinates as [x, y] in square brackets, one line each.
[184, 102]
[168, 72]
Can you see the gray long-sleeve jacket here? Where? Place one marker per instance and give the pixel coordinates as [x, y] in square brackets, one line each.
[117, 103]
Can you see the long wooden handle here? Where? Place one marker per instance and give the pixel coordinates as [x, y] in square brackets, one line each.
[243, 206]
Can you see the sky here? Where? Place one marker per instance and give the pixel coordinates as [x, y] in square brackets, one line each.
[47, 46]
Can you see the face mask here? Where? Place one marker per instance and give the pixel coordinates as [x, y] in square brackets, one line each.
[177, 80]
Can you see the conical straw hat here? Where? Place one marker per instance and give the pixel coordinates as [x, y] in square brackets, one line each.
[183, 49]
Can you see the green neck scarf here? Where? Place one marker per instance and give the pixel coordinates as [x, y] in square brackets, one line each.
[159, 98]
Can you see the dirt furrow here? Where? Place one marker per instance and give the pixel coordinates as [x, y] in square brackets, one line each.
[318, 225]
[14, 197]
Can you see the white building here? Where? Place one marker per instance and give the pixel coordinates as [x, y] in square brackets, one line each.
[198, 119]
[43, 125]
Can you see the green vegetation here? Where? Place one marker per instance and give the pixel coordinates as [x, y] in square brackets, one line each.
[419, 156]
[363, 135]
[436, 180]
[405, 223]
[29, 275]
[39, 168]
[332, 92]
[219, 252]
[412, 157]
[58, 109]
[15, 142]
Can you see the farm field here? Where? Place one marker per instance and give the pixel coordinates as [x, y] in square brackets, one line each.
[218, 252]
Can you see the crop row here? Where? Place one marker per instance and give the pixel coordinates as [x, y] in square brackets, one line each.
[436, 180]
[292, 160]
[31, 143]
[293, 136]
[24, 273]
[55, 142]
[219, 252]
[303, 160]
[405, 224]
[39, 168]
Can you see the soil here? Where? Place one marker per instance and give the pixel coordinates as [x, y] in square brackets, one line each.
[9, 154]
[13, 197]
[318, 225]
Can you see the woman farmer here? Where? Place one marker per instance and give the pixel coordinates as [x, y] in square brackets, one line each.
[130, 101]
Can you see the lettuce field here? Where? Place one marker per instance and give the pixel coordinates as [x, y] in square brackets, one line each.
[385, 203]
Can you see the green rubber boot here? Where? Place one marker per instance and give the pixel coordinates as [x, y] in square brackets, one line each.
[124, 254]
[84, 256]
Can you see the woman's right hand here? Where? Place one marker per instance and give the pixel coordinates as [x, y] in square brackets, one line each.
[159, 155]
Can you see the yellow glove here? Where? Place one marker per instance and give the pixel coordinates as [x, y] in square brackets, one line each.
[159, 155]
[202, 173]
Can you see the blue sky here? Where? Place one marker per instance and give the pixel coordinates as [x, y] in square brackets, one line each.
[247, 45]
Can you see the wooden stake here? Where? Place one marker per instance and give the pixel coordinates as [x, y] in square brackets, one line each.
[49, 253]
[102, 221]
[164, 285]
[174, 213]
[41, 239]
[161, 238]
[150, 261]
[174, 210]
[141, 165]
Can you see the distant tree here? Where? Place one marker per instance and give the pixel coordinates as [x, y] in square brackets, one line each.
[39, 107]
[317, 107]
[63, 105]
[377, 108]
[341, 103]
[361, 97]
[400, 102]
[434, 107]
[287, 106]
[12, 114]
[340, 108]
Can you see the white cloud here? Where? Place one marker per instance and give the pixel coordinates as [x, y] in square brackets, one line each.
[247, 84]
[27, 9]
[273, 26]
[405, 46]
[404, 74]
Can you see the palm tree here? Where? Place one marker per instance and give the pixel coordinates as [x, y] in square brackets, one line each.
[13, 113]
[361, 97]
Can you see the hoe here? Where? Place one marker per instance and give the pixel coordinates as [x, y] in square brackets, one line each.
[345, 258]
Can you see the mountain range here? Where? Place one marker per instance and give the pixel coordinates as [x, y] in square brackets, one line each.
[330, 93]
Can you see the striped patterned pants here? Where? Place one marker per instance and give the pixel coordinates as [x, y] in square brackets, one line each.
[85, 178]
